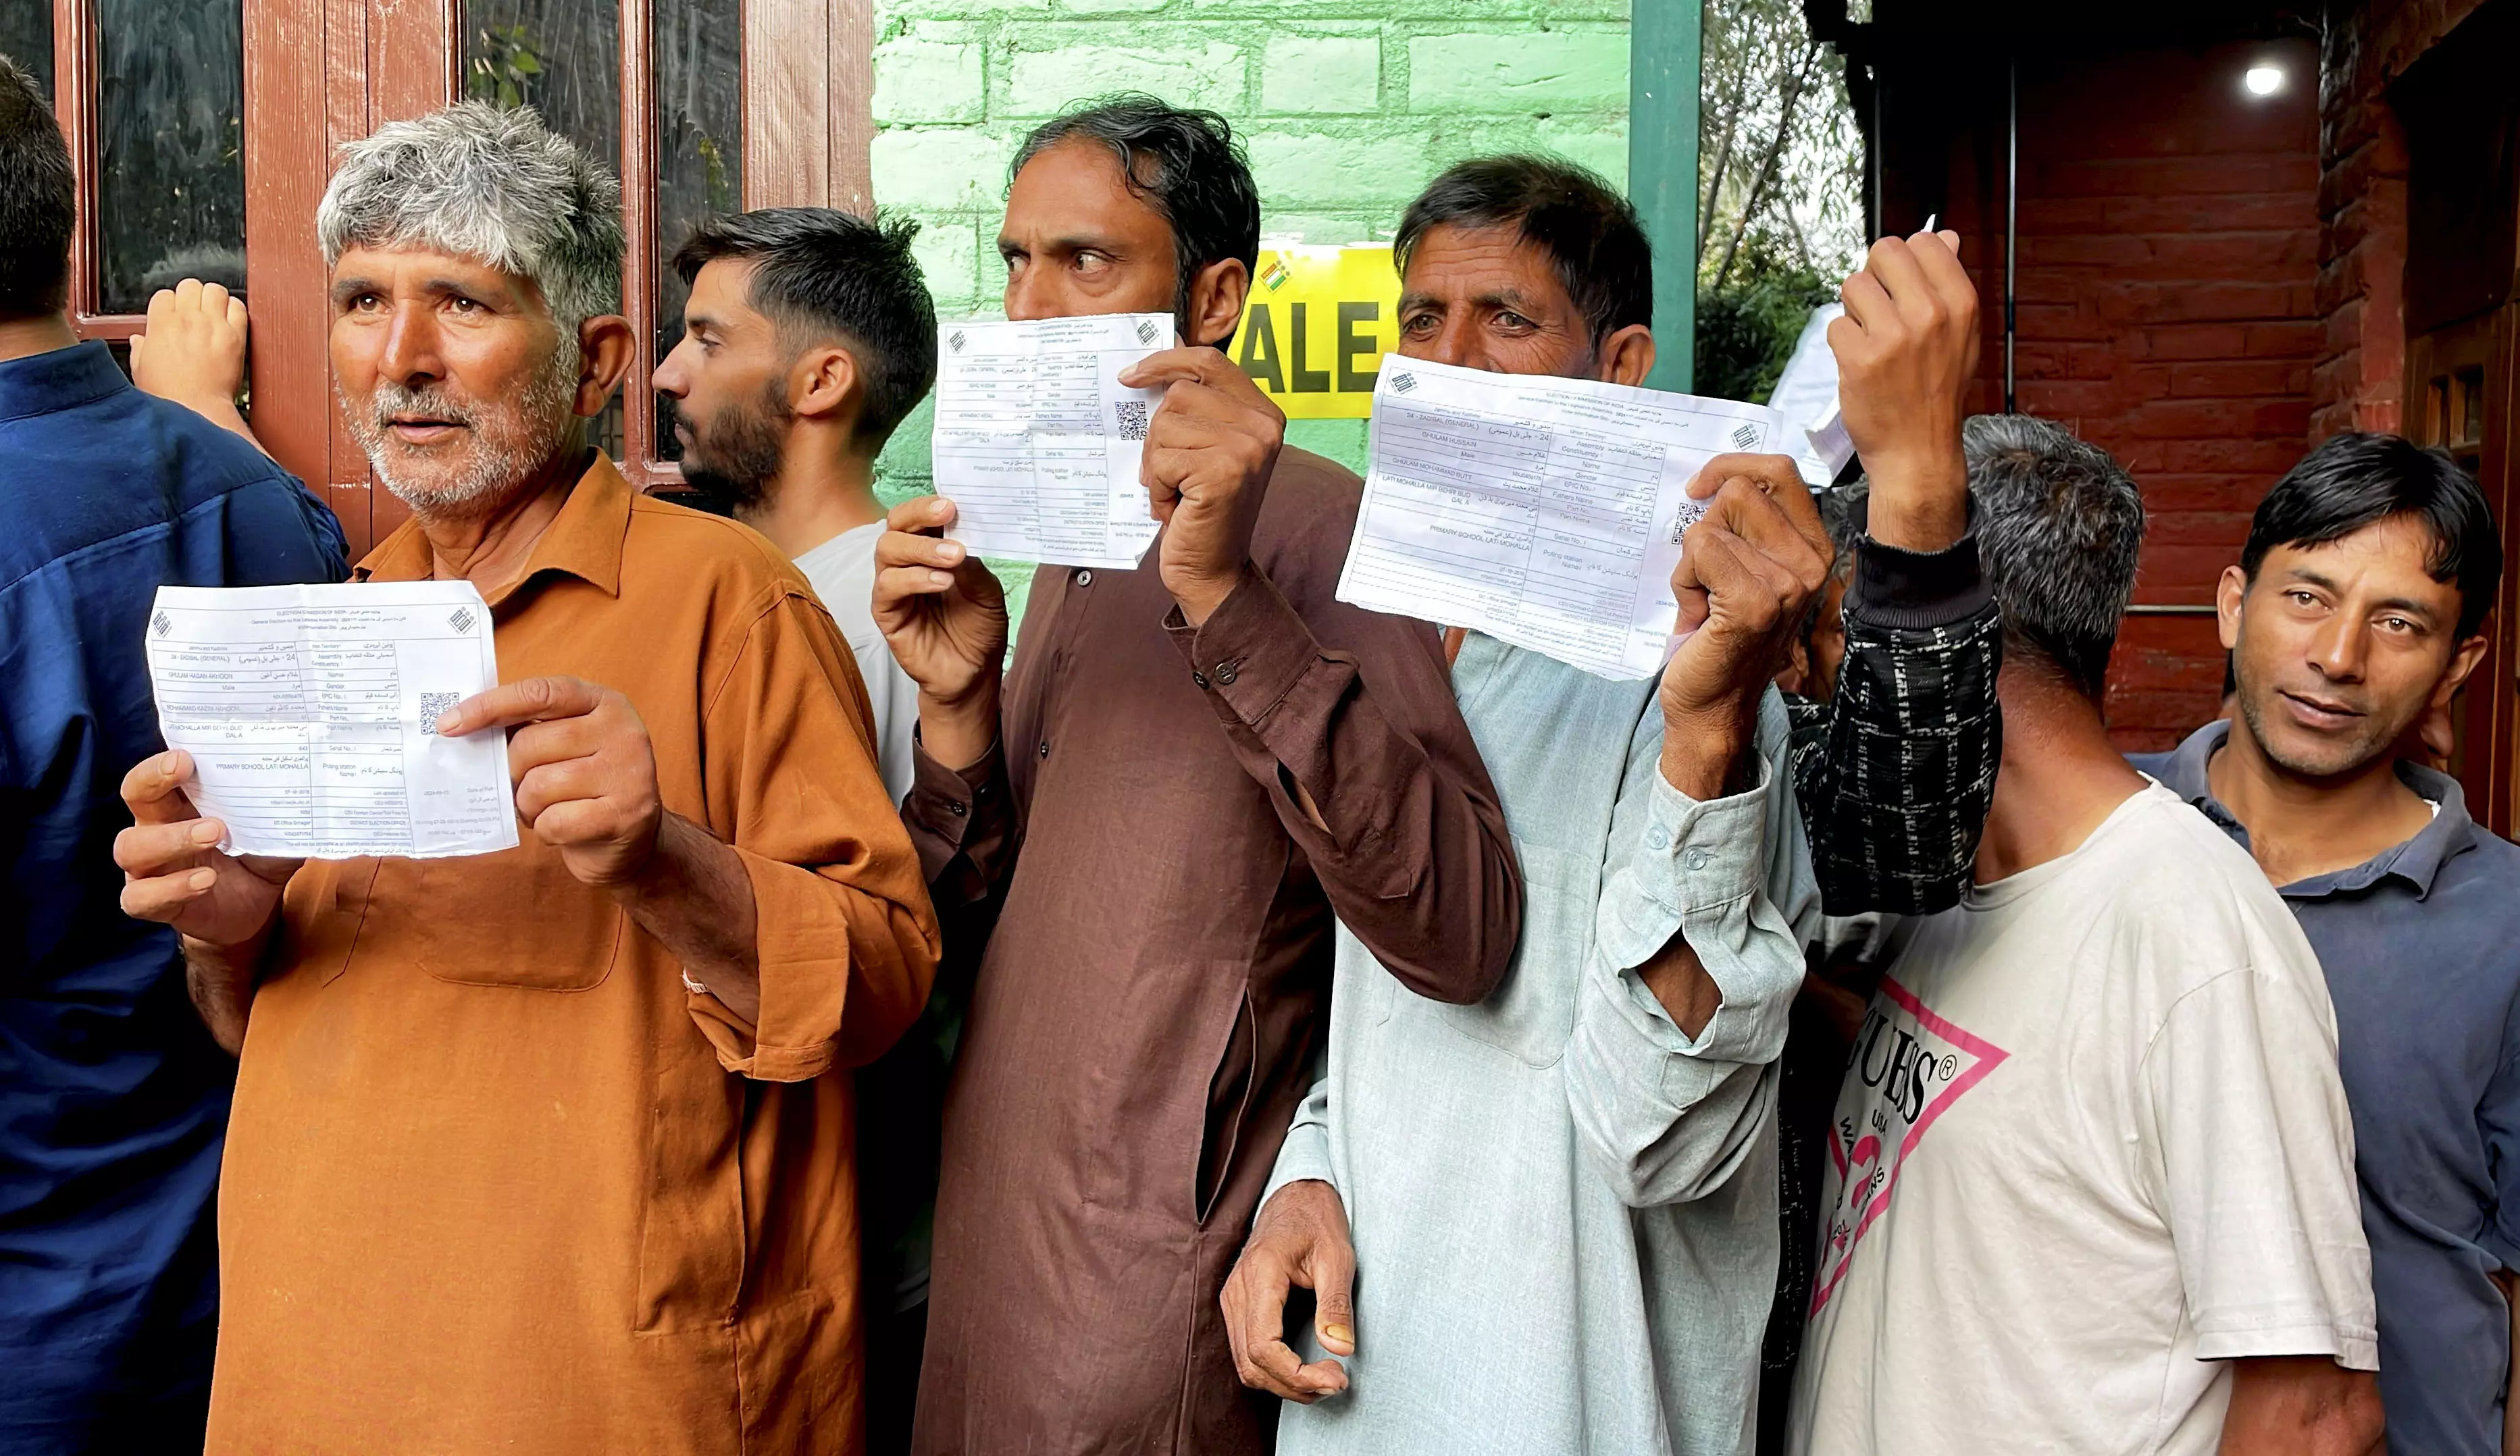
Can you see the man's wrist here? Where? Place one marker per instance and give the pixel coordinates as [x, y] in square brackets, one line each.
[1704, 755]
[1199, 596]
[959, 733]
[1917, 505]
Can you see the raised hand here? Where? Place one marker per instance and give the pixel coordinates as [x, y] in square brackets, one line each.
[193, 351]
[1300, 1238]
[944, 615]
[1748, 572]
[1907, 351]
[1209, 450]
[584, 770]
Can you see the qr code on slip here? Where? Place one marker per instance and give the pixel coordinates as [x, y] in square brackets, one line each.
[433, 703]
[1133, 418]
[1687, 516]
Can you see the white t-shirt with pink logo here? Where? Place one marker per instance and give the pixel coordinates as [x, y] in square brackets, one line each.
[2091, 1145]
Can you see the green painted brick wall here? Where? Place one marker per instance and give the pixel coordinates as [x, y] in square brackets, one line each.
[1347, 108]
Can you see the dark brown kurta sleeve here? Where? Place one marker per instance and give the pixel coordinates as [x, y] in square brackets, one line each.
[1416, 860]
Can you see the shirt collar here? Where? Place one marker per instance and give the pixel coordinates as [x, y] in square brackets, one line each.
[584, 540]
[2417, 860]
[58, 379]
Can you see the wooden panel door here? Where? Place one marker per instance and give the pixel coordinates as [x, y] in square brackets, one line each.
[2460, 380]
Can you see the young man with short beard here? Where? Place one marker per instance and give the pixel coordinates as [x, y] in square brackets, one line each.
[549, 1149]
[807, 338]
[2358, 610]
[2090, 1178]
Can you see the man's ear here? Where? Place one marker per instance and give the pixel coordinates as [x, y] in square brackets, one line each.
[2227, 593]
[2462, 661]
[824, 383]
[1628, 355]
[1216, 295]
[603, 358]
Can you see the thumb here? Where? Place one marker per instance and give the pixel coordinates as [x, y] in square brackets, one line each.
[1334, 1272]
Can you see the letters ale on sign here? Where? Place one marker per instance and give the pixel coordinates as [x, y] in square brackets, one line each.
[1317, 325]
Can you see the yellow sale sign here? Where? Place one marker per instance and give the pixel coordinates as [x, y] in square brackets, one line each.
[1318, 324]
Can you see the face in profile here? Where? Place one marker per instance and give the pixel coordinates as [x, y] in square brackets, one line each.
[728, 386]
[2339, 649]
[453, 374]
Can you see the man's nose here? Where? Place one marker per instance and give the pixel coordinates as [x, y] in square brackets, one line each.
[1030, 296]
[2339, 649]
[1457, 343]
[670, 378]
[411, 347]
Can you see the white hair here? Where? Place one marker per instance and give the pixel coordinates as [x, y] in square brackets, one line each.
[488, 182]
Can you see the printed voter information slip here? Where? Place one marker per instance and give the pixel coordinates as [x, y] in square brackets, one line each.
[311, 715]
[1036, 444]
[1545, 512]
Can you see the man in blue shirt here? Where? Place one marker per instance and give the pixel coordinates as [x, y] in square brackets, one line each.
[2355, 612]
[112, 1097]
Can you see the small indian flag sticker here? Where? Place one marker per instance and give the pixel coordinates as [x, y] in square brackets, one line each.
[1274, 276]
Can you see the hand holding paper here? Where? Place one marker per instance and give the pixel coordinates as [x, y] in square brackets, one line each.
[585, 771]
[1747, 571]
[1209, 450]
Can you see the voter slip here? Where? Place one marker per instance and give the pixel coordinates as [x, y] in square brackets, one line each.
[1037, 443]
[1543, 511]
[311, 715]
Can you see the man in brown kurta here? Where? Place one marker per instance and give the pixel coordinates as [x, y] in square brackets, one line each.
[545, 1150]
[1198, 764]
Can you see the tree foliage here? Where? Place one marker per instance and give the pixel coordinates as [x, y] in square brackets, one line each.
[1780, 168]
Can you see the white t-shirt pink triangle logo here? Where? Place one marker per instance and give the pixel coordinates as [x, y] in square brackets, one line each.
[1909, 1066]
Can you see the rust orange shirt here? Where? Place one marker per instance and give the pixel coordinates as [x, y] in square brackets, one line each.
[496, 1180]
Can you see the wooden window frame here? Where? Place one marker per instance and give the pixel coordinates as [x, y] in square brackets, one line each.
[318, 73]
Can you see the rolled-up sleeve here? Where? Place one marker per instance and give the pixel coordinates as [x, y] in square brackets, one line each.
[847, 946]
[1666, 1116]
[1415, 858]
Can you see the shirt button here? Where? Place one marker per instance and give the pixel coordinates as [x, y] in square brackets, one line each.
[1697, 859]
[1085, 577]
[959, 809]
[1659, 840]
[1198, 677]
[1045, 749]
[1225, 672]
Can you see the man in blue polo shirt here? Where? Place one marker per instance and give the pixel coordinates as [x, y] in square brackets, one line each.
[2357, 608]
[112, 1097]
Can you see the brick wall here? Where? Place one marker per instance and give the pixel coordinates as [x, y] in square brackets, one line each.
[2363, 207]
[2167, 303]
[1347, 107]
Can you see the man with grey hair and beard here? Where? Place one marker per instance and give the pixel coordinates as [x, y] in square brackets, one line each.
[536, 1148]
[2090, 1182]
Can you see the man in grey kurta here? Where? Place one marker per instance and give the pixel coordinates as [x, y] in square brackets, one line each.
[1562, 1200]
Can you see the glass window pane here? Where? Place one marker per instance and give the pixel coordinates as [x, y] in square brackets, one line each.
[699, 150]
[26, 37]
[170, 178]
[563, 59]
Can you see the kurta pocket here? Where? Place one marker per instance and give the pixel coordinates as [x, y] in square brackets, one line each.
[515, 919]
[1532, 1012]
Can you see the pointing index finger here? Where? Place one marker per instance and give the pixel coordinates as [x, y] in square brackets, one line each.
[531, 700]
